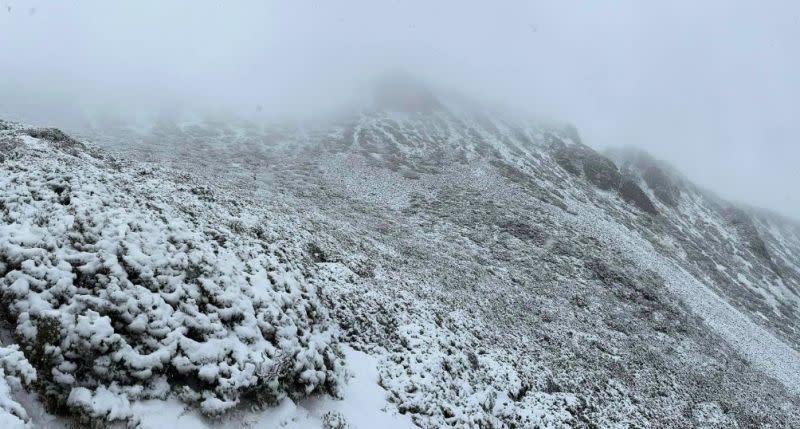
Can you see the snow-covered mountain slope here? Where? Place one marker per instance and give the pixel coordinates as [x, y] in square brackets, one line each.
[746, 255]
[491, 272]
[124, 289]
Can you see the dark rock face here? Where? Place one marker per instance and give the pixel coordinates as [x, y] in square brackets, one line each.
[601, 171]
[632, 193]
[744, 225]
[664, 185]
[562, 155]
[661, 184]
[562, 158]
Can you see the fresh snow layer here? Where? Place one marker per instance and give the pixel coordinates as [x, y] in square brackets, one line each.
[159, 242]
[127, 298]
[760, 347]
[14, 372]
[364, 407]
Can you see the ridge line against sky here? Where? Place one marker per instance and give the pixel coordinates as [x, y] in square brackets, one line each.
[710, 87]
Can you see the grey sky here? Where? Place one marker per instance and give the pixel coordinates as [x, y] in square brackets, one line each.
[711, 86]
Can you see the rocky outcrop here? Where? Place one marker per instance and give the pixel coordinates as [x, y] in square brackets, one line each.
[665, 186]
[747, 230]
[662, 185]
[632, 193]
[599, 170]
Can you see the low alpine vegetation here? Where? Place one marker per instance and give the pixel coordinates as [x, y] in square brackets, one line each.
[115, 299]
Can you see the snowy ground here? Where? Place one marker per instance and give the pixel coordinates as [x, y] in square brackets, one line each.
[490, 289]
[366, 406]
[756, 344]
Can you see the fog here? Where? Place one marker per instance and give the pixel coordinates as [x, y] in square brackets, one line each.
[711, 87]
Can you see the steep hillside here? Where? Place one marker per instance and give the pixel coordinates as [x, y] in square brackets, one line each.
[124, 286]
[747, 256]
[498, 272]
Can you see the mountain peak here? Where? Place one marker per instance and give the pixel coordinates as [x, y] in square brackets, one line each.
[404, 92]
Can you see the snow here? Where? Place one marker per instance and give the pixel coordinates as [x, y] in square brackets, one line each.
[172, 301]
[365, 407]
[366, 404]
[134, 290]
[15, 372]
[759, 346]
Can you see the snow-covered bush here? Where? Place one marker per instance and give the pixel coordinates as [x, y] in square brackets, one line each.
[334, 420]
[116, 298]
[437, 374]
[15, 371]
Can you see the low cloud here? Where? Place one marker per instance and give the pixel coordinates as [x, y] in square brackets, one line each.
[711, 87]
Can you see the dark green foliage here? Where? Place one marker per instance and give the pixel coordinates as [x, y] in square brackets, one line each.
[52, 134]
[48, 333]
[605, 274]
[7, 145]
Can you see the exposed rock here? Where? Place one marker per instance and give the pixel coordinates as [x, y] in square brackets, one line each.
[563, 159]
[744, 225]
[655, 174]
[632, 193]
[662, 185]
[601, 171]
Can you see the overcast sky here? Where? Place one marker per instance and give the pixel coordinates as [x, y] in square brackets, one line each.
[710, 86]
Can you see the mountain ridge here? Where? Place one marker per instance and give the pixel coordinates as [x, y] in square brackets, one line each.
[495, 286]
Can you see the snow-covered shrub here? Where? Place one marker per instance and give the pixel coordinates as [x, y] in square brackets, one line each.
[334, 420]
[116, 298]
[15, 371]
[435, 376]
